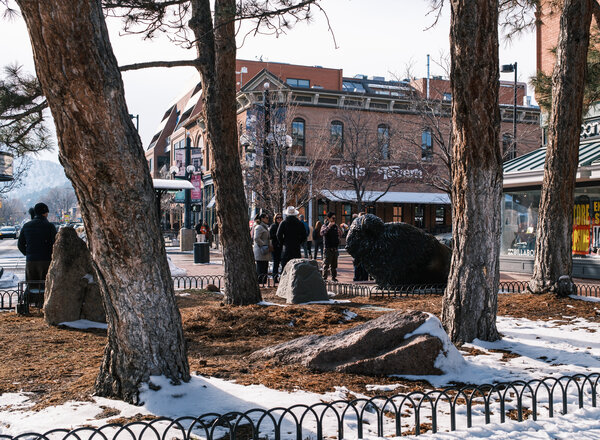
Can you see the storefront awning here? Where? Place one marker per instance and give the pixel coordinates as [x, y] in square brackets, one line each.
[389, 197]
[172, 184]
[528, 170]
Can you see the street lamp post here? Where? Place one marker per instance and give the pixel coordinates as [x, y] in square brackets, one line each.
[507, 68]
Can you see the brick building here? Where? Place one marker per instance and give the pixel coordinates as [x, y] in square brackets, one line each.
[312, 110]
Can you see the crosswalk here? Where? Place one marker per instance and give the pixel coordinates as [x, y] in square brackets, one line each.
[14, 262]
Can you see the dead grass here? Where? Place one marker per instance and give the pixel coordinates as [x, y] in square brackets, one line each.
[60, 364]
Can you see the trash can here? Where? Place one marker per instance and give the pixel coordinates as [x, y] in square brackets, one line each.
[201, 252]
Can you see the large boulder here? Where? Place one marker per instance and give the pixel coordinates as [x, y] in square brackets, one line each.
[405, 343]
[71, 291]
[397, 253]
[301, 282]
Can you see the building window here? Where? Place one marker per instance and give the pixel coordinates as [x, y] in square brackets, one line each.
[440, 215]
[397, 214]
[447, 97]
[295, 82]
[426, 145]
[347, 213]
[509, 148]
[420, 216]
[336, 138]
[322, 210]
[298, 136]
[150, 164]
[383, 140]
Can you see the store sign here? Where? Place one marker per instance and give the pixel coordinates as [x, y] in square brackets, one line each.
[389, 172]
[581, 228]
[590, 129]
[6, 166]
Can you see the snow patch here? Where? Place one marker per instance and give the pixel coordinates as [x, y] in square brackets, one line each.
[176, 271]
[83, 324]
[8, 280]
[349, 315]
[450, 360]
[585, 298]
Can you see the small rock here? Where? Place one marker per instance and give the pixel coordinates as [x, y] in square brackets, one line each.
[212, 288]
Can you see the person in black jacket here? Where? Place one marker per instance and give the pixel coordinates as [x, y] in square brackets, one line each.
[331, 233]
[291, 233]
[277, 247]
[35, 242]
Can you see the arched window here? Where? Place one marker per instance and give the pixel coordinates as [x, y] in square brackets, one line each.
[336, 138]
[383, 140]
[298, 137]
[426, 145]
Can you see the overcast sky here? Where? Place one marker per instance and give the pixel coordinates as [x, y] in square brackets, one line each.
[374, 37]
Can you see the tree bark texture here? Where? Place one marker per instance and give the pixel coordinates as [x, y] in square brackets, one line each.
[470, 301]
[554, 240]
[216, 54]
[103, 157]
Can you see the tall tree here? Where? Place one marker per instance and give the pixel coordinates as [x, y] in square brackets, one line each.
[553, 249]
[214, 40]
[470, 301]
[216, 49]
[103, 157]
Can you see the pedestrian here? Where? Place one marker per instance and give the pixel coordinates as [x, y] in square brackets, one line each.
[277, 247]
[262, 247]
[309, 242]
[207, 234]
[215, 231]
[331, 233]
[317, 239]
[31, 213]
[307, 250]
[291, 233]
[35, 242]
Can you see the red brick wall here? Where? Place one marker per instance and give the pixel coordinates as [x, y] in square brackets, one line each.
[330, 79]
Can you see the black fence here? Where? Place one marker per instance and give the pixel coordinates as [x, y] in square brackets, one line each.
[414, 413]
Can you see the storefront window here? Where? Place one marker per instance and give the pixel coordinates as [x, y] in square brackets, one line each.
[347, 213]
[440, 215]
[519, 222]
[420, 216]
[322, 210]
[397, 214]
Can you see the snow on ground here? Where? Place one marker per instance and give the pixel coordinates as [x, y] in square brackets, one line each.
[544, 348]
[83, 324]
[176, 271]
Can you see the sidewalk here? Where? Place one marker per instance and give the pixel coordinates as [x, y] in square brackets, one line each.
[185, 260]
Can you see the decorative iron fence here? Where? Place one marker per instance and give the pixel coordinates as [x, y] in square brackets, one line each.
[415, 413]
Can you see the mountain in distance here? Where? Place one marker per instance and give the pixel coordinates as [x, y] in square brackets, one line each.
[42, 176]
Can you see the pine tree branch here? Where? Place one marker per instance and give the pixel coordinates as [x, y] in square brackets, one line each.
[149, 64]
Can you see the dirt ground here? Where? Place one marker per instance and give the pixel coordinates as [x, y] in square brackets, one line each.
[61, 364]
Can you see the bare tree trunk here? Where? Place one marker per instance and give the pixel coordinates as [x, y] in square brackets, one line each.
[553, 248]
[470, 301]
[216, 53]
[103, 157]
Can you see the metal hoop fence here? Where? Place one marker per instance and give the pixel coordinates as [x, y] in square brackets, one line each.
[414, 413]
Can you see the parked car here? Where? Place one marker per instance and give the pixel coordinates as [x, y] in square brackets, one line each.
[8, 232]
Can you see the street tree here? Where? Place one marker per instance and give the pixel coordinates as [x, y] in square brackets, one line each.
[553, 249]
[213, 36]
[103, 158]
[277, 173]
[61, 199]
[22, 122]
[362, 159]
[12, 211]
[470, 301]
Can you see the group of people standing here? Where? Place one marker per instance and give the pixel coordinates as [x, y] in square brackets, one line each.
[285, 238]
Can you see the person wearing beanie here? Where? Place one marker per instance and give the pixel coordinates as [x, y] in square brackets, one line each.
[35, 242]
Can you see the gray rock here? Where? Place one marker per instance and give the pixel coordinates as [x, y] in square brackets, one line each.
[71, 292]
[377, 347]
[397, 253]
[301, 282]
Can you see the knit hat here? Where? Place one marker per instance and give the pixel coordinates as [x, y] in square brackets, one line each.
[41, 209]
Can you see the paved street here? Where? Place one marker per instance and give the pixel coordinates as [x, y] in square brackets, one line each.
[10, 258]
